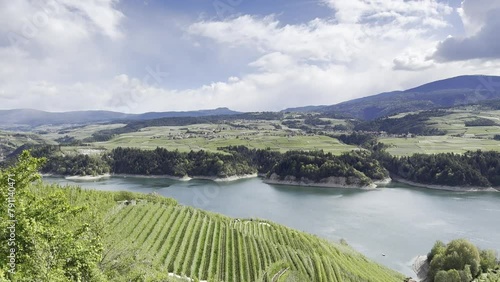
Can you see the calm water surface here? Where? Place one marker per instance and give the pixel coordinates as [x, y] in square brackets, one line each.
[391, 225]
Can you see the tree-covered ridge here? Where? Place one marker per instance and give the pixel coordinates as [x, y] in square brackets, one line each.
[232, 161]
[315, 166]
[477, 168]
[163, 162]
[471, 169]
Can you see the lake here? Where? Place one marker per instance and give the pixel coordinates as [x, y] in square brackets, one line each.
[391, 225]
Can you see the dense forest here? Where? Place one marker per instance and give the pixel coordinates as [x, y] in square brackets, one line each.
[470, 169]
[240, 160]
[163, 162]
[357, 166]
[232, 161]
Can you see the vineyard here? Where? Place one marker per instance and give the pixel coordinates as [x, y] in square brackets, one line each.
[203, 246]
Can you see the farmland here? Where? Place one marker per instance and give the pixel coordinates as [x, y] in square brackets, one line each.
[438, 144]
[458, 139]
[292, 132]
[150, 138]
[253, 134]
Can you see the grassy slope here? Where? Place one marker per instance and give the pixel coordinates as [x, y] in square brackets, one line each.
[438, 144]
[165, 237]
[459, 138]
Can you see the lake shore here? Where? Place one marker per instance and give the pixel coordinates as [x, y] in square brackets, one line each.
[80, 177]
[330, 182]
[446, 188]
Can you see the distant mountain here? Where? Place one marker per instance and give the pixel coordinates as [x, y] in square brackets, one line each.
[200, 113]
[31, 118]
[459, 90]
[304, 109]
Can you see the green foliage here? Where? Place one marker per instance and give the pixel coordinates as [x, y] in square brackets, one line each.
[356, 166]
[76, 165]
[451, 275]
[163, 162]
[460, 261]
[488, 260]
[438, 249]
[360, 139]
[54, 240]
[478, 168]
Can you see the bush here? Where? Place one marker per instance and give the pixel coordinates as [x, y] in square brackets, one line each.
[488, 260]
[124, 196]
[458, 261]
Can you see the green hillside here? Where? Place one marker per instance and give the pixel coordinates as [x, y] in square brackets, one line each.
[207, 246]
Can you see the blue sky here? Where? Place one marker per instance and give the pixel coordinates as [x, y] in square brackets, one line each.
[151, 55]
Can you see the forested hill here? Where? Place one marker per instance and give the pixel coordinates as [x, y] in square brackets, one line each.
[28, 118]
[444, 93]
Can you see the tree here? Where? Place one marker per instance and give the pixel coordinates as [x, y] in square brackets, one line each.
[458, 261]
[54, 241]
[488, 260]
[438, 249]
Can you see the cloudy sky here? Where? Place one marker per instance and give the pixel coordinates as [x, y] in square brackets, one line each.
[248, 55]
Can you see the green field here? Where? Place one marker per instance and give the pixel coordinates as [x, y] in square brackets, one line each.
[438, 144]
[80, 132]
[209, 137]
[454, 123]
[273, 134]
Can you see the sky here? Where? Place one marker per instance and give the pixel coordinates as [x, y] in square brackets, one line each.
[249, 55]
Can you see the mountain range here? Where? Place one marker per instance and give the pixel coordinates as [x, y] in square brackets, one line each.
[32, 118]
[461, 90]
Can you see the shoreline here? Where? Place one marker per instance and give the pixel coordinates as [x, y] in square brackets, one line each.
[80, 177]
[383, 182]
[319, 185]
[444, 187]
[170, 177]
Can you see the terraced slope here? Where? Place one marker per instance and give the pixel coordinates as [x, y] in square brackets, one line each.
[201, 245]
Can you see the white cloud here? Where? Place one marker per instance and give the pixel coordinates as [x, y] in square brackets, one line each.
[69, 62]
[425, 12]
[475, 13]
[482, 41]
